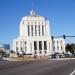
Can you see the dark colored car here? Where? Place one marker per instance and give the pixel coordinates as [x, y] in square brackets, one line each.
[56, 55]
[52, 56]
[68, 55]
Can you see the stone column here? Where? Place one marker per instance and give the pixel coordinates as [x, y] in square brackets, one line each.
[43, 47]
[44, 30]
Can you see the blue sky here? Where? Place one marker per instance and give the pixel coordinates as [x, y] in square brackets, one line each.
[61, 14]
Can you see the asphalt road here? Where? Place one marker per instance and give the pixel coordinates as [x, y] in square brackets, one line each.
[50, 67]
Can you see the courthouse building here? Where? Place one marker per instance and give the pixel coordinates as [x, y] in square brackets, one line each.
[35, 37]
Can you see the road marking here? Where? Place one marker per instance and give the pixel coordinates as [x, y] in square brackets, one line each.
[73, 73]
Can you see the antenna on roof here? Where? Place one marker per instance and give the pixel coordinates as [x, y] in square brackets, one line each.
[32, 4]
[32, 11]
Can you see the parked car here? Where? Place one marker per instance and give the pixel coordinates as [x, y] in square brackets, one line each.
[52, 56]
[68, 55]
[56, 55]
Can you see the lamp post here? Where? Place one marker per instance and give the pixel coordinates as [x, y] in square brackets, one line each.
[52, 38]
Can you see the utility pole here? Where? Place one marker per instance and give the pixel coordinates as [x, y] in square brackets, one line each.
[52, 38]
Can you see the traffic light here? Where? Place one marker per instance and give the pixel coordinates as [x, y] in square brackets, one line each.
[64, 36]
[52, 38]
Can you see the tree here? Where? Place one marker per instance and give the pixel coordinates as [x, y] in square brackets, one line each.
[2, 53]
[12, 51]
[70, 48]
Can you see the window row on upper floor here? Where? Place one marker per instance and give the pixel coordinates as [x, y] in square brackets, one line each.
[57, 42]
[37, 30]
[21, 42]
[34, 22]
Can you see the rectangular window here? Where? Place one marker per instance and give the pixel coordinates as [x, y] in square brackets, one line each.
[23, 22]
[35, 45]
[45, 52]
[25, 49]
[32, 30]
[35, 30]
[57, 48]
[42, 30]
[40, 52]
[39, 29]
[17, 50]
[57, 42]
[53, 48]
[35, 52]
[25, 42]
[45, 45]
[28, 31]
[61, 48]
[21, 49]
[40, 45]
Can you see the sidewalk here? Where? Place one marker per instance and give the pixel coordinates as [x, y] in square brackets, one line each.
[61, 59]
[9, 59]
[13, 59]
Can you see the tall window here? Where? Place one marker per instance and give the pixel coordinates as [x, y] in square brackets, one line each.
[23, 22]
[45, 52]
[25, 48]
[32, 30]
[39, 29]
[42, 30]
[40, 52]
[57, 48]
[21, 49]
[35, 30]
[28, 31]
[25, 42]
[61, 48]
[35, 52]
[53, 48]
[35, 45]
[40, 45]
[57, 42]
[17, 51]
[35, 22]
[45, 45]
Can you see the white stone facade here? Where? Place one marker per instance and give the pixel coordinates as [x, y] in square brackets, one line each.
[35, 37]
